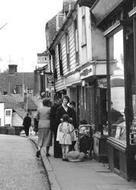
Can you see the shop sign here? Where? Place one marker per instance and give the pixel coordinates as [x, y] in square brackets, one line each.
[86, 72]
[42, 59]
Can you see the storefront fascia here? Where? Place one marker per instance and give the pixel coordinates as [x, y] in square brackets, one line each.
[122, 94]
[72, 83]
[94, 83]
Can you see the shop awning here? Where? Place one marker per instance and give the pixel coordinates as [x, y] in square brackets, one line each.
[103, 7]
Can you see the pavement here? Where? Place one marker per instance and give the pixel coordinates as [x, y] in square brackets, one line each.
[19, 169]
[86, 175]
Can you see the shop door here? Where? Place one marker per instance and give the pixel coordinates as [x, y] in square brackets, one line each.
[90, 105]
[101, 112]
[78, 104]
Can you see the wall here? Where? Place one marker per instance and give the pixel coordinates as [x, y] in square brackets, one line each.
[69, 28]
[98, 43]
[85, 52]
[1, 114]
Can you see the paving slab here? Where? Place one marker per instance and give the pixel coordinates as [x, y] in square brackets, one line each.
[87, 175]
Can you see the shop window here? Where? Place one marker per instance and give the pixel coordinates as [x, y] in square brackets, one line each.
[76, 40]
[84, 40]
[67, 50]
[54, 65]
[60, 59]
[83, 10]
[117, 112]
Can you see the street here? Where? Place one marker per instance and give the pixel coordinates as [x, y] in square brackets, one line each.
[19, 168]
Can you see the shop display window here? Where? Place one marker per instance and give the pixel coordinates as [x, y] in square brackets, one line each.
[117, 87]
[122, 85]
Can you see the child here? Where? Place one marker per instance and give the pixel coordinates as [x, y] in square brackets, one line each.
[65, 135]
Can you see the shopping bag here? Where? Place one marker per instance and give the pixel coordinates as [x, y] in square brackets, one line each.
[31, 131]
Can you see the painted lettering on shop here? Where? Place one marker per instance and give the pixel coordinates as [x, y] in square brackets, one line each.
[86, 72]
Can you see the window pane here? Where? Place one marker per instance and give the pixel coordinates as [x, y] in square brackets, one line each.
[117, 84]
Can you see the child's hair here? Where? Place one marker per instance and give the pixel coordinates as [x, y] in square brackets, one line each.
[72, 103]
[65, 117]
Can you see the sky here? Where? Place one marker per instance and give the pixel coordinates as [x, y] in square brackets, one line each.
[23, 34]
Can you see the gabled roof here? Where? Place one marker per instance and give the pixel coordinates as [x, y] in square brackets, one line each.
[9, 101]
[51, 29]
[20, 112]
[69, 15]
[16, 102]
[16, 79]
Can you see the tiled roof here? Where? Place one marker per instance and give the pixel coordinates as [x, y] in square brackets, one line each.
[13, 80]
[10, 102]
[50, 30]
[16, 102]
[20, 112]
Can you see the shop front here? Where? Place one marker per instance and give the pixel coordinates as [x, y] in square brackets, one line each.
[93, 104]
[121, 80]
[117, 20]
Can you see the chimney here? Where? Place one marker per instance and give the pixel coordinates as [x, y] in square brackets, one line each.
[12, 69]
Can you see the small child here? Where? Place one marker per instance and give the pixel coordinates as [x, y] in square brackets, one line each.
[65, 135]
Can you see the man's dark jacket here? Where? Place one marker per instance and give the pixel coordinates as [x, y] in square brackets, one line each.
[27, 122]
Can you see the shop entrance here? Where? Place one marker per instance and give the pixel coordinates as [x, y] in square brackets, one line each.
[101, 111]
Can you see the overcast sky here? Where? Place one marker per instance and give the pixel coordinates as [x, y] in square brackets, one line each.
[24, 35]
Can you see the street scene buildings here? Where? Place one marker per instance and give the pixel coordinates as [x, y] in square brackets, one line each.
[90, 56]
[92, 59]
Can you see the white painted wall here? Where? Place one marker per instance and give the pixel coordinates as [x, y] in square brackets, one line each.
[85, 53]
[1, 114]
[95, 48]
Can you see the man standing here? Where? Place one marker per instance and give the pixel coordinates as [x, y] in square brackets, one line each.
[54, 126]
[27, 124]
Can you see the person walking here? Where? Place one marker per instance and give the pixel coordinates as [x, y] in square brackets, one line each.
[65, 135]
[65, 109]
[44, 131]
[35, 125]
[27, 124]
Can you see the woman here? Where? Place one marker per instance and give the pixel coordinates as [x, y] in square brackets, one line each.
[65, 109]
[44, 132]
